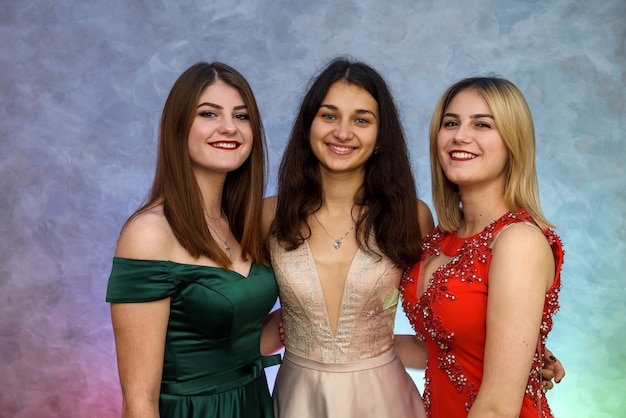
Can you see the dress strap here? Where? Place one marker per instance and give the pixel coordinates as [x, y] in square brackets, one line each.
[220, 382]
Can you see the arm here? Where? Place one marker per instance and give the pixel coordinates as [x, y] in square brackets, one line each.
[140, 328]
[425, 219]
[412, 352]
[522, 270]
[140, 344]
[270, 334]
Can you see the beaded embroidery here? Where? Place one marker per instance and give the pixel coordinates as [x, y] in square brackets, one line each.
[463, 267]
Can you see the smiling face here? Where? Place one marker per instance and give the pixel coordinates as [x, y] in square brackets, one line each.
[469, 146]
[344, 131]
[220, 138]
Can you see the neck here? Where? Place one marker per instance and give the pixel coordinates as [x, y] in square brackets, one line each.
[211, 188]
[338, 192]
[480, 208]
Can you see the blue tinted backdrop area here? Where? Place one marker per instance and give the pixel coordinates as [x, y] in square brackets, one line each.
[82, 85]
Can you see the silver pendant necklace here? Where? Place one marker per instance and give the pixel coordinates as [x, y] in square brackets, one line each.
[225, 241]
[336, 241]
[218, 219]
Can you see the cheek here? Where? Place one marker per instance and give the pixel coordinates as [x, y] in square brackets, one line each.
[192, 138]
[246, 133]
[315, 131]
[316, 147]
[315, 138]
[503, 155]
[372, 142]
[198, 132]
[440, 143]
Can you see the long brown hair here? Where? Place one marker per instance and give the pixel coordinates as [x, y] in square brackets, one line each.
[388, 194]
[174, 182]
[515, 125]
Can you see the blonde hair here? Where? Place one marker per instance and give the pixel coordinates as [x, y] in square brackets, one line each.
[515, 125]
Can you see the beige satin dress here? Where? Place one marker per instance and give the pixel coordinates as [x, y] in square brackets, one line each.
[354, 372]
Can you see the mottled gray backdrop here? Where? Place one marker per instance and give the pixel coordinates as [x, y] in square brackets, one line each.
[82, 84]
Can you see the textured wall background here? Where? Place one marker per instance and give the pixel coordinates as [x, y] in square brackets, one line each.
[82, 85]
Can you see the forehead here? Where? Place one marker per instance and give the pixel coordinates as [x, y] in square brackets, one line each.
[219, 92]
[468, 101]
[344, 94]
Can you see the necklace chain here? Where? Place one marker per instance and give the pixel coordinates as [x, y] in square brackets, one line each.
[336, 241]
[217, 222]
[218, 219]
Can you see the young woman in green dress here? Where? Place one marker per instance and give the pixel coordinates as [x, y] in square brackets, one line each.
[190, 284]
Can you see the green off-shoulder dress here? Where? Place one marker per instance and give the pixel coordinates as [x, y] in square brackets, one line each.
[212, 365]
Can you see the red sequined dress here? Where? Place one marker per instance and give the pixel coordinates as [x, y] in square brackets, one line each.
[450, 316]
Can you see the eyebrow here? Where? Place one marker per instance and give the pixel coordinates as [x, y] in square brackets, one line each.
[476, 116]
[357, 111]
[243, 106]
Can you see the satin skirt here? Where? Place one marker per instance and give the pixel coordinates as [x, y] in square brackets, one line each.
[378, 387]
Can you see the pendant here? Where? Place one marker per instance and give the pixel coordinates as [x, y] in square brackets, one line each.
[337, 244]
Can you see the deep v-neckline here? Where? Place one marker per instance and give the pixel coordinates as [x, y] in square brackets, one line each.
[319, 285]
[451, 245]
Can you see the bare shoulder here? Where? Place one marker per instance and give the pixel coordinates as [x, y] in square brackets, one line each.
[425, 218]
[269, 209]
[522, 239]
[146, 236]
[521, 251]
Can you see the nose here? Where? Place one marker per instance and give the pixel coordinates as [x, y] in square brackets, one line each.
[343, 130]
[461, 135]
[227, 127]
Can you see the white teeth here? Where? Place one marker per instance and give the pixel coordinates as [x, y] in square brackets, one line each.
[462, 155]
[229, 145]
[340, 149]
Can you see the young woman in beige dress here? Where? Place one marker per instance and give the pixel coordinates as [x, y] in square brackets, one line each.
[346, 223]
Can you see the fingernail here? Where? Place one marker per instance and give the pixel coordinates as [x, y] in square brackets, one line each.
[552, 358]
[557, 381]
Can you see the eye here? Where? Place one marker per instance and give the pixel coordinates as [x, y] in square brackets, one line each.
[483, 125]
[449, 123]
[208, 114]
[242, 116]
[362, 121]
[328, 116]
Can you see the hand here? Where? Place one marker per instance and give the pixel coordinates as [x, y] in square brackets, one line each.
[552, 369]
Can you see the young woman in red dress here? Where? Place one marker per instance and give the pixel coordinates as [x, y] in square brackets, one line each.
[483, 295]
